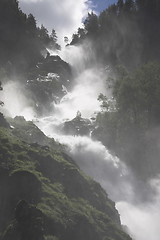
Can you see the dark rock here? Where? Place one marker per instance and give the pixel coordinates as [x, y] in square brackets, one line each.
[26, 186]
[29, 132]
[48, 81]
[77, 126]
[55, 64]
[4, 196]
[3, 121]
[28, 225]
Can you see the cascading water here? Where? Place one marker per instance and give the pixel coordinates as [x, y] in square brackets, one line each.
[92, 157]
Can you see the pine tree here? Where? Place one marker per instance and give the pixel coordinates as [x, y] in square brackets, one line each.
[129, 6]
[120, 5]
[91, 24]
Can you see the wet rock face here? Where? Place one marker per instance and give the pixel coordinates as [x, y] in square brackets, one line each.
[19, 185]
[55, 64]
[48, 82]
[78, 126]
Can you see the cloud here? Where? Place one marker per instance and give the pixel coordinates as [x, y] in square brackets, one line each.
[65, 16]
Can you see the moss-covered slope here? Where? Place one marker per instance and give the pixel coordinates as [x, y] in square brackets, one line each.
[72, 205]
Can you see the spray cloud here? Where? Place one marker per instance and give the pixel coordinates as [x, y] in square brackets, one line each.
[17, 101]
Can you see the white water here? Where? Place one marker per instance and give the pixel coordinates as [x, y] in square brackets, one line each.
[95, 160]
[83, 97]
[141, 218]
[16, 102]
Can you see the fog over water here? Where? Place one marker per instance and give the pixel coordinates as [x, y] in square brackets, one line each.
[136, 203]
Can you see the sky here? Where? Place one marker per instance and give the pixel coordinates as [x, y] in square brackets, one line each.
[65, 16]
[100, 5]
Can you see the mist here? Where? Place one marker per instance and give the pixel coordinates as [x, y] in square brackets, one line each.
[89, 81]
[114, 57]
[17, 101]
[83, 97]
[143, 219]
[137, 202]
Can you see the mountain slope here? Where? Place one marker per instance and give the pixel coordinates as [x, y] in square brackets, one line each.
[52, 197]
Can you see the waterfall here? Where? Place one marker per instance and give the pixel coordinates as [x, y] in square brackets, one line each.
[92, 156]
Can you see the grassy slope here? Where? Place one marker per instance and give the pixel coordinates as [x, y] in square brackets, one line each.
[73, 205]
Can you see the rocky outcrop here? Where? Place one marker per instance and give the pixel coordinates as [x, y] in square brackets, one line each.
[27, 131]
[28, 224]
[3, 122]
[54, 64]
[77, 126]
[48, 82]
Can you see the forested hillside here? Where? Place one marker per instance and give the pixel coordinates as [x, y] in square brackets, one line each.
[125, 33]
[22, 42]
[126, 37]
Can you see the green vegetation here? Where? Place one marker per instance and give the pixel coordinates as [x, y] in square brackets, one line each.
[129, 123]
[21, 41]
[125, 33]
[137, 95]
[68, 203]
[35, 168]
[126, 38]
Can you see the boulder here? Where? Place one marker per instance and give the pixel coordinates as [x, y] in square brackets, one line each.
[28, 224]
[78, 126]
[3, 122]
